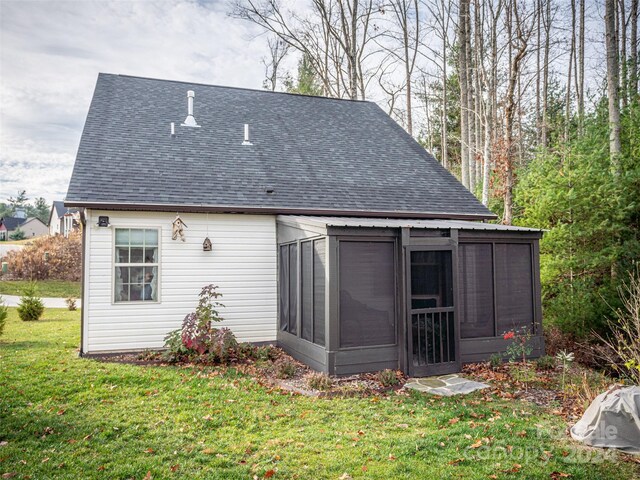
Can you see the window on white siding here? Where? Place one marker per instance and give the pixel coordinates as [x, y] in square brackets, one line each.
[136, 265]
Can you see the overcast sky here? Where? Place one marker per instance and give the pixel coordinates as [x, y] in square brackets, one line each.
[52, 51]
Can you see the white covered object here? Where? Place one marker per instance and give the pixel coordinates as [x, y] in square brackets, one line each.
[612, 420]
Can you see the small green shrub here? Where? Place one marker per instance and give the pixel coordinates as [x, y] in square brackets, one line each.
[266, 353]
[284, 367]
[546, 362]
[71, 303]
[495, 361]
[31, 307]
[223, 345]
[388, 378]
[319, 381]
[4, 313]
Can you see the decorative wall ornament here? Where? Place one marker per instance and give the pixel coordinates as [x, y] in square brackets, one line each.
[207, 246]
[178, 228]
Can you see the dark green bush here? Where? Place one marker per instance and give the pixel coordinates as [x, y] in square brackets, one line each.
[495, 361]
[546, 362]
[31, 307]
[4, 313]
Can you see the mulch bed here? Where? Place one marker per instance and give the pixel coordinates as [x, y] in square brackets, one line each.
[361, 385]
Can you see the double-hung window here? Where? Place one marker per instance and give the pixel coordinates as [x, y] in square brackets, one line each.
[136, 265]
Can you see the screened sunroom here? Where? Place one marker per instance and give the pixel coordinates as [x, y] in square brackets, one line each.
[423, 296]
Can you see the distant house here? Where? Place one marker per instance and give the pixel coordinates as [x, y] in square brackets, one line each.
[329, 230]
[62, 220]
[32, 227]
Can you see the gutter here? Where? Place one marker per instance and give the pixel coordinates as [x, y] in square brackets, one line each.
[163, 207]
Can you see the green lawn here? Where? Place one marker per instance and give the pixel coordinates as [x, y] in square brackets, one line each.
[66, 417]
[46, 288]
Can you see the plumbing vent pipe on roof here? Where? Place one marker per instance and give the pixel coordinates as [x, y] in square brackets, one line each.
[246, 135]
[190, 121]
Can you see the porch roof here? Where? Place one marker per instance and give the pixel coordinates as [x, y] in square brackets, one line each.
[324, 222]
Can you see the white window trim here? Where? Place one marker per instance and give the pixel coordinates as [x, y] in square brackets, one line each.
[114, 264]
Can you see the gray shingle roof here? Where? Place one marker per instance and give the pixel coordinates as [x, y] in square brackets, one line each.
[318, 155]
[11, 223]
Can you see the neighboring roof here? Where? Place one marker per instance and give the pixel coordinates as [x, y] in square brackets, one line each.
[11, 223]
[317, 155]
[400, 223]
[60, 210]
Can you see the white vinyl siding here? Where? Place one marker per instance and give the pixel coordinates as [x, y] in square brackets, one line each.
[242, 264]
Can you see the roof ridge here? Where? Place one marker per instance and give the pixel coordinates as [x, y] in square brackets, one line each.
[320, 97]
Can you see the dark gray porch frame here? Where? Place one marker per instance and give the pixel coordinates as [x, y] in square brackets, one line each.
[335, 360]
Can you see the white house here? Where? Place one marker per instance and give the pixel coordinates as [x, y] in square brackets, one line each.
[62, 220]
[334, 234]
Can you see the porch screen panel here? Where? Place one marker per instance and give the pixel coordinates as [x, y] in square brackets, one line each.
[319, 259]
[475, 280]
[514, 286]
[367, 293]
[306, 269]
[293, 289]
[284, 288]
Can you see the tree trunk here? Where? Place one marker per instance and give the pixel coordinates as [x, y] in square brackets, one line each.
[580, 71]
[633, 64]
[612, 83]
[572, 56]
[445, 140]
[470, 103]
[464, 93]
[545, 76]
[622, 33]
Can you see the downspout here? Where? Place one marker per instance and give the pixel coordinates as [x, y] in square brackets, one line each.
[83, 221]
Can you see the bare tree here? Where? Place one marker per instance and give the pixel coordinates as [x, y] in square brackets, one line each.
[519, 41]
[621, 17]
[464, 90]
[612, 82]
[405, 18]
[335, 38]
[277, 51]
[633, 44]
[545, 74]
[580, 70]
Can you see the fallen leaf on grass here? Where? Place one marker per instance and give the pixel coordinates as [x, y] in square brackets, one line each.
[60, 412]
[148, 476]
[45, 460]
[4, 443]
[101, 468]
[402, 425]
[208, 451]
[523, 433]
[453, 421]
[392, 457]
[456, 461]
[269, 473]
[149, 450]
[9, 474]
[345, 476]
[477, 444]
[555, 475]
[174, 468]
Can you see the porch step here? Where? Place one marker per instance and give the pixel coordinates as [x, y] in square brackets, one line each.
[445, 385]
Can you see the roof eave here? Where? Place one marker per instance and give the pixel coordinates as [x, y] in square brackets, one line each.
[163, 207]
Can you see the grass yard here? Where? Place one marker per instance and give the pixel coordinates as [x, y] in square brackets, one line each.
[66, 417]
[46, 288]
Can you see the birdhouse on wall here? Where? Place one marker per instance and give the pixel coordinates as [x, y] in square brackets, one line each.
[178, 227]
[207, 246]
